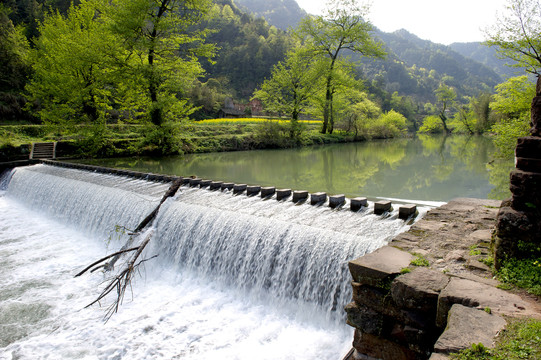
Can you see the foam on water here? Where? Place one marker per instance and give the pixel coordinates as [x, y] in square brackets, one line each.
[236, 277]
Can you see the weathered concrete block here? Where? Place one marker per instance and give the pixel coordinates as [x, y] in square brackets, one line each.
[467, 326]
[205, 183]
[376, 298]
[267, 191]
[382, 206]
[215, 185]
[405, 211]
[300, 195]
[195, 182]
[357, 203]
[419, 290]
[380, 266]
[239, 188]
[474, 294]
[363, 318]
[283, 194]
[227, 186]
[337, 200]
[253, 190]
[317, 198]
[186, 181]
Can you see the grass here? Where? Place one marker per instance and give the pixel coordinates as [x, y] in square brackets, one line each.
[419, 260]
[520, 340]
[523, 273]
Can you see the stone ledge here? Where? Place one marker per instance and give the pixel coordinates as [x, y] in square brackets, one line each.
[379, 266]
[419, 290]
[467, 326]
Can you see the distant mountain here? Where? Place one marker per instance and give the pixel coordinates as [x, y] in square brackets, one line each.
[280, 13]
[416, 67]
[488, 56]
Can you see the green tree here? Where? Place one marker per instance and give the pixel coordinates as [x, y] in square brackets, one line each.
[291, 87]
[517, 34]
[14, 67]
[70, 81]
[512, 102]
[446, 97]
[162, 47]
[343, 27]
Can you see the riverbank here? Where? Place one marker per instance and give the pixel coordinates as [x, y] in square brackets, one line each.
[431, 289]
[124, 140]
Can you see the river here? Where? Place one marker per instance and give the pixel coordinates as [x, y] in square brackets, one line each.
[427, 168]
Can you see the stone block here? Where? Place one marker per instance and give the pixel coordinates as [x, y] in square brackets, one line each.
[267, 191]
[379, 348]
[467, 326]
[474, 294]
[216, 185]
[357, 203]
[205, 183]
[528, 164]
[382, 206]
[436, 356]
[363, 318]
[379, 267]
[186, 180]
[337, 200]
[283, 194]
[405, 211]
[253, 190]
[239, 188]
[419, 290]
[227, 186]
[318, 198]
[195, 182]
[528, 147]
[300, 195]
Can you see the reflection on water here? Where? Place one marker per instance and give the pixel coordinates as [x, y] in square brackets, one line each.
[430, 168]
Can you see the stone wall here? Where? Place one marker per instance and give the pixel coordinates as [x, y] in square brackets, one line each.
[519, 221]
[427, 294]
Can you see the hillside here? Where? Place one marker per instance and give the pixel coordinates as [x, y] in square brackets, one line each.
[280, 13]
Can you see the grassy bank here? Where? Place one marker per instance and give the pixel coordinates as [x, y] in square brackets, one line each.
[188, 137]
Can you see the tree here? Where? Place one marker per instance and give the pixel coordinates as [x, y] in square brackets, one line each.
[14, 67]
[446, 97]
[342, 28]
[70, 80]
[291, 86]
[512, 102]
[163, 46]
[517, 34]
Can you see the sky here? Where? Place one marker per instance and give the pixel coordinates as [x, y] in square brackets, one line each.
[442, 22]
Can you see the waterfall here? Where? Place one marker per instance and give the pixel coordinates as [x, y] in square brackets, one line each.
[273, 253]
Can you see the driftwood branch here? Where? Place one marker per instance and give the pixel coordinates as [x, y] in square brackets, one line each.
[122, 280]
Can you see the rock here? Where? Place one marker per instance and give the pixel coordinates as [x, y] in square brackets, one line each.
[419, 290]
[467, 326]
[455, 255]
[375, 347]
[363, 318]
[436, 356]
[473, 264]
[473, 294]
[380, 266]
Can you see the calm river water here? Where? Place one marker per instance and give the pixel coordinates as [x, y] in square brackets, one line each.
[426, 168]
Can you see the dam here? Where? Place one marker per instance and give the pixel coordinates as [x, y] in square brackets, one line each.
[235, 277]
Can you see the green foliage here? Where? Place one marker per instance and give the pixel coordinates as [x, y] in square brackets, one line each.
[405, 270]
[431, 124]
[520, 340]
[517, 34]
[342, 27]
[524, 273]
[419, 260]
[291, 87]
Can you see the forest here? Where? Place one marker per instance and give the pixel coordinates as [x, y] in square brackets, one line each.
[68, 64]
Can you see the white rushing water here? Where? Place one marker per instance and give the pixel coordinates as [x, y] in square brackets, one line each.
[236, 277]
